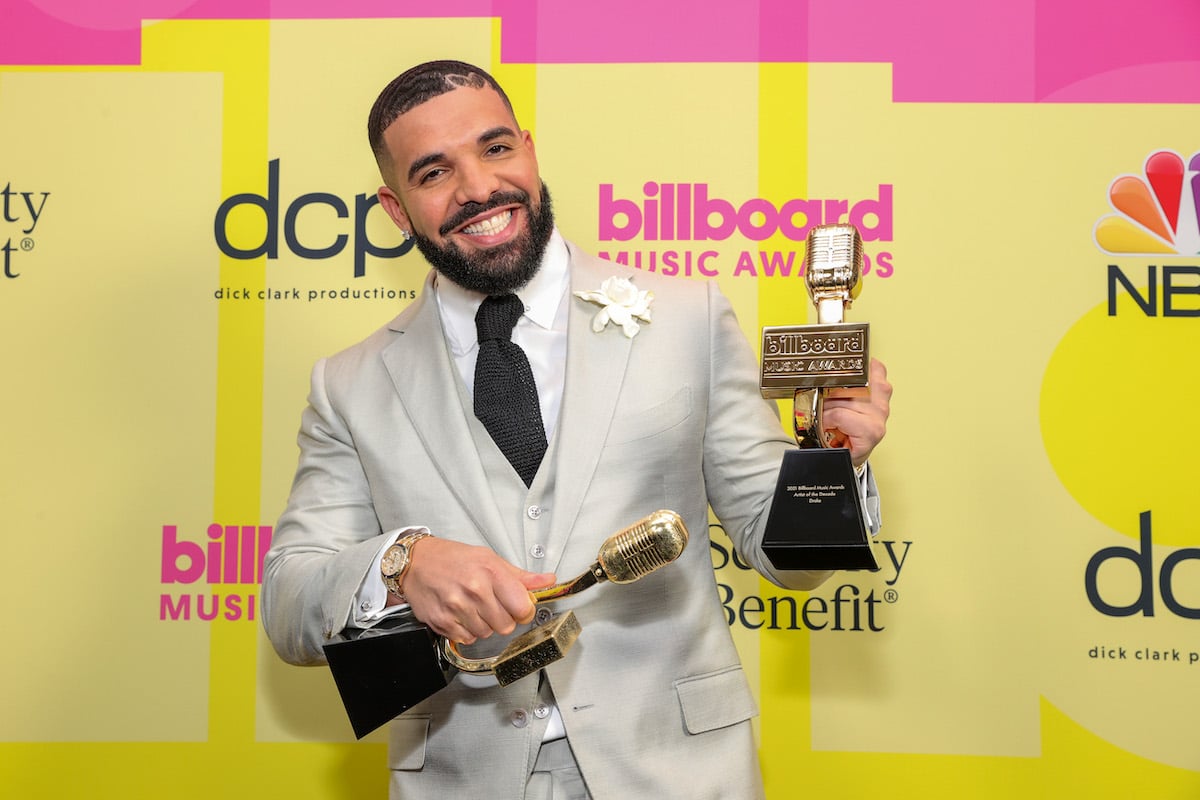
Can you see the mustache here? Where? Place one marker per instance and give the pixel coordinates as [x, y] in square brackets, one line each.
[472, 209]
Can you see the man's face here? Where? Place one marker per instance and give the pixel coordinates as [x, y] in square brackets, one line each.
[464, 180]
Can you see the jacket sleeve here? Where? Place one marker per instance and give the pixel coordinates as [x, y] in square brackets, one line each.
[744, 446]
[326, 540]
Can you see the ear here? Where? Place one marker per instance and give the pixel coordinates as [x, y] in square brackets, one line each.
[394, 208]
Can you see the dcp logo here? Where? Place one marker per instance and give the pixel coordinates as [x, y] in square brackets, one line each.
[269, 246]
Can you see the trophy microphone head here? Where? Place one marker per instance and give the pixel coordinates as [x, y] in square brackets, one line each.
[833, 262]
[645, 546]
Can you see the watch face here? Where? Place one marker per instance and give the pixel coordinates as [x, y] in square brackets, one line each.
[393, 559]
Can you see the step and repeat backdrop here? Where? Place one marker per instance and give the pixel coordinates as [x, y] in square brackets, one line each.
[189, 222]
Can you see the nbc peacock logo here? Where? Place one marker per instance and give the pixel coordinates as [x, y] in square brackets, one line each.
[1156, 211]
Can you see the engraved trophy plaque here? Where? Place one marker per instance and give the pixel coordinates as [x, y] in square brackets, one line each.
[817, 519]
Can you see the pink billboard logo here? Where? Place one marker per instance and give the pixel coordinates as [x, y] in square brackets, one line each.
[230, 562]
[686, 212]
[1156, 210]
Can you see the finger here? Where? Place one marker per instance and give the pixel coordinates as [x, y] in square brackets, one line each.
[847, 418]
[531, 613]
[881, 387]
[462, 634]
[537, 580]
[495, 618]
[857, 393]
[877, 404]
[860, 435]
[516, 604]
[454, 630]
[836, 438]
[856, 422]
[455, 619]
[520, 604]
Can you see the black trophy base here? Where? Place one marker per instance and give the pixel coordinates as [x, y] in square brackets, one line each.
[384, 672]
[817, 519]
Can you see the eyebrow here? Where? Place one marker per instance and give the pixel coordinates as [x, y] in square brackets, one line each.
[489, 135]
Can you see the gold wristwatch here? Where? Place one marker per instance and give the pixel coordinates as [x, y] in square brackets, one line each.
[396, 561]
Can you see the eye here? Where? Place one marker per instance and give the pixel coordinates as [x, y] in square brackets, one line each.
[497, 149]
[431, 175]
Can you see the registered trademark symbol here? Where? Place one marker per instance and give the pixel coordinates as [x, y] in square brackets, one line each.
[891, 596]
[27, 244]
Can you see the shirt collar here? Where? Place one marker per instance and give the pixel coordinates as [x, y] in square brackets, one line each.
[541, 296]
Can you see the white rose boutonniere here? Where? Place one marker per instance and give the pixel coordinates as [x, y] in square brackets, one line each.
[620, 302]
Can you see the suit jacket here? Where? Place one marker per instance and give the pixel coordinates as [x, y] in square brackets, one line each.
[652, 695]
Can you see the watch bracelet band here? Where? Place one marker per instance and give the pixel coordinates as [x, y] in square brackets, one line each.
[397, 581]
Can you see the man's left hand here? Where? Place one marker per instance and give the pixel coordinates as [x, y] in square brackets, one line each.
[860, 421]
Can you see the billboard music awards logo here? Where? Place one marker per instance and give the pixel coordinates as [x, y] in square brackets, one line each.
[22, 212]
[683, 214]
[228, 568]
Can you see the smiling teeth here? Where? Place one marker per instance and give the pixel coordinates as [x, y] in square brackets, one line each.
[490, 225]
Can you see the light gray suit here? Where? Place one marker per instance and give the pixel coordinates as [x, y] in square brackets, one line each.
[653, 697]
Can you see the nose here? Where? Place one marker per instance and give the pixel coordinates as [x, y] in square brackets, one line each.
[476, 183]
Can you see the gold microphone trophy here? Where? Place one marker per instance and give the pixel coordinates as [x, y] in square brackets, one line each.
[817, 519]
[388, 669]
[628, 555]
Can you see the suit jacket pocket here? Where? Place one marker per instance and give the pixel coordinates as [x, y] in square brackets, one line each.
[406, 741]
[715, 700]
[644, 423]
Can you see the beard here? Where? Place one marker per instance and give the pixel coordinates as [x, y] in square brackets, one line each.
[497, 270]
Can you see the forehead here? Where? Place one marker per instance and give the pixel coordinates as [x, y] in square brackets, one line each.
[451, 120]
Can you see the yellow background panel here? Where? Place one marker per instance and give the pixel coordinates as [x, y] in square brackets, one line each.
[109, 402]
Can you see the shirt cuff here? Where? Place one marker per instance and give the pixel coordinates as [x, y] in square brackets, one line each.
[370, 601]
[870, 497]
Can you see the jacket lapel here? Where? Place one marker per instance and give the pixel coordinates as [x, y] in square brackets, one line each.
[595, 375]
[424, 376]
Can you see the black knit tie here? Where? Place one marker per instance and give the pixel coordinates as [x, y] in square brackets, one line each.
[506, 399]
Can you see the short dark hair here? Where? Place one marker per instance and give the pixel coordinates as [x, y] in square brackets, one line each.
[418, 85]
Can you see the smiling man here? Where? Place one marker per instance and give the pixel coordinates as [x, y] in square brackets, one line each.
[494, 434]
[473, 202]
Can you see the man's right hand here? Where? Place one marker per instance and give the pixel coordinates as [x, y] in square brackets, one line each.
[465, 592]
